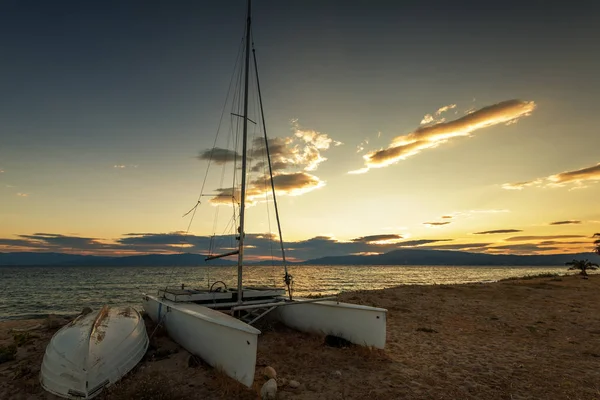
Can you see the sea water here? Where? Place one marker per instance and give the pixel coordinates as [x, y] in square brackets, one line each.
[32, 292]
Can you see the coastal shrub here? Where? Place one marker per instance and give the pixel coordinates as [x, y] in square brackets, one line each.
[582, 265]
[7, 353]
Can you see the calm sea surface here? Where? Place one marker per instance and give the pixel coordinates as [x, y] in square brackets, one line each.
[29, 292]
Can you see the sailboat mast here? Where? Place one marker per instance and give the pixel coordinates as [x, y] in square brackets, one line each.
[244, 149]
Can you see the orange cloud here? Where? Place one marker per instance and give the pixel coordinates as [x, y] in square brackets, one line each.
[431, 136]
[576, 177]
[292, 184]
[291, 158]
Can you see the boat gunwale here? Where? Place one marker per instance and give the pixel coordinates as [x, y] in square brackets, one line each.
[227, 320]
[333, 303]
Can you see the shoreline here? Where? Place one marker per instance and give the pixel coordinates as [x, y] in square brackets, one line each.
[526, 338]
[74, 312]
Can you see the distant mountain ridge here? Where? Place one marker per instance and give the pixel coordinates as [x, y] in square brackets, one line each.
[447, 257]
[396, 257]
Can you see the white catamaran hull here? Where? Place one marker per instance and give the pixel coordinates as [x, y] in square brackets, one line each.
[358, 324]
[93, 351]
[219, 339]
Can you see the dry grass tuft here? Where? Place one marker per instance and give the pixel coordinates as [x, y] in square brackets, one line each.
[7, 352]
[529, 277]
[22, 338]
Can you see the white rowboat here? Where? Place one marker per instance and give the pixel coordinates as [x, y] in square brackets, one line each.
[93, 351]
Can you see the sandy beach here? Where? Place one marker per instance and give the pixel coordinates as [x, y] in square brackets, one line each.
[516, 339]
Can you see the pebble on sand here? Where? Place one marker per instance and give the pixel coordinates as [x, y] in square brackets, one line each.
[294, 384]
[269, 372]
[269, 390]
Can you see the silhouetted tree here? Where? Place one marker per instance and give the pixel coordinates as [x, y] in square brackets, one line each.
[597, 243]
[582, 265]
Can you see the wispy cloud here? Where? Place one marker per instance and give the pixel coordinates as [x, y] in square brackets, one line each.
[527, 248]
[123, 166]
[497, 231]
[361, 146]
[431, 136]
[554, 242]
[567, 222]
[23, 194]
[384, 238]
[576, 177]
[490, 211]
[450, 217]
[472, 213]
[521, 185]
[458, 246]
[445, 108]
[544, 237]
[429, 118]
[420, 242]
[218, 155]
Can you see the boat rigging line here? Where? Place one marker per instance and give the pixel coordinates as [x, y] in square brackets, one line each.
[287, 277]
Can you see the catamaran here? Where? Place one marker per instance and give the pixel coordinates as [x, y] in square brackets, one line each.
[217, 323]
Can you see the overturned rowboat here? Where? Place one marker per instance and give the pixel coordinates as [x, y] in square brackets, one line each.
[93, 351]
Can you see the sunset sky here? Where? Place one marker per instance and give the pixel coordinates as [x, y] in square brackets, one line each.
[448, 125]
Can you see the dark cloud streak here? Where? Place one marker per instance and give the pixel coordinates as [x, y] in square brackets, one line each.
[497, 231]
[436, 223]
